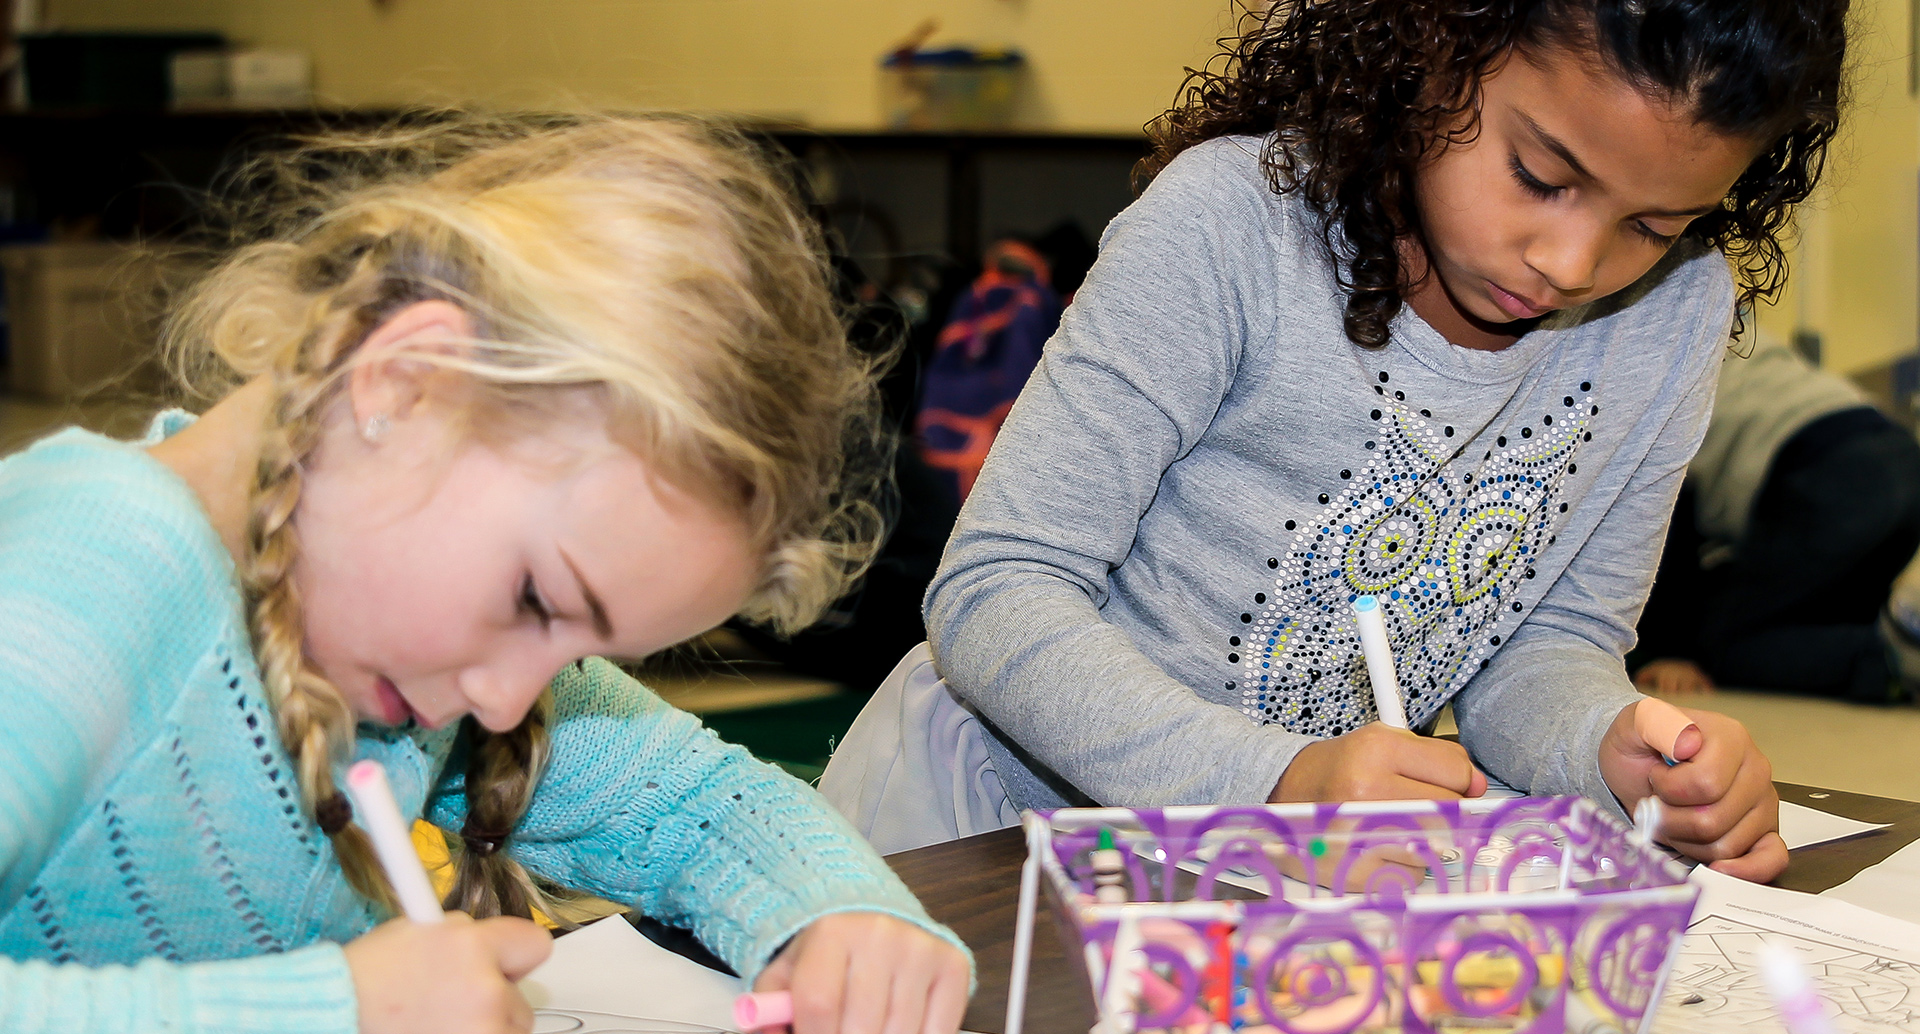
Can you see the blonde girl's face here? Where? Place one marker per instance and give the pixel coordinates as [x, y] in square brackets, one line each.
[1576, 184]
[444, 577]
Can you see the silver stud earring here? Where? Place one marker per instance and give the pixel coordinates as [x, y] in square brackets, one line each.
[375, 428]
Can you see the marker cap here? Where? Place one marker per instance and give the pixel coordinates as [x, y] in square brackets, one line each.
[758, 1010]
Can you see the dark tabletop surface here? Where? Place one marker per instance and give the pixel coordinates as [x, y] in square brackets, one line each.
[973, 886]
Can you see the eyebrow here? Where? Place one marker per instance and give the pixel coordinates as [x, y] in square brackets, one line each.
[1565, 154]
[600, 623]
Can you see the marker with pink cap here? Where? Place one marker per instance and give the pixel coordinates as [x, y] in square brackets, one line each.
[761, 1010]
[380, 816]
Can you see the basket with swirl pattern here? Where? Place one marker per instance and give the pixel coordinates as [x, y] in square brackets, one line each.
[1537, 914]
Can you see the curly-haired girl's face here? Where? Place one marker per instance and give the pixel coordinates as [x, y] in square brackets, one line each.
[1576, 184]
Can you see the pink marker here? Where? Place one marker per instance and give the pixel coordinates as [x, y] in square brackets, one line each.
[1162, 996]
[760, 1010]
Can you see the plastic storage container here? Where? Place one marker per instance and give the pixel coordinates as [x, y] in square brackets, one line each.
[953, 89]
[1542, 915]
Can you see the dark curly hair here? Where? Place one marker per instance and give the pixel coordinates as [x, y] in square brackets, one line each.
[1357, 92]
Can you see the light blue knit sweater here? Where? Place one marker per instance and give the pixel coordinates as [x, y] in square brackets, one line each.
[156, 872]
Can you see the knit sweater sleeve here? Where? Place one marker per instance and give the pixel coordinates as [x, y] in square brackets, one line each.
[643, 805]
[1534, 718]
[308, 991]
[101, 554]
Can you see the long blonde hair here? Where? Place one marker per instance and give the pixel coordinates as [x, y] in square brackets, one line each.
[657, 263]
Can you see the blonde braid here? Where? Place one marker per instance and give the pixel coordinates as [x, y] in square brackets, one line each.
[314, 721]
[503, 771]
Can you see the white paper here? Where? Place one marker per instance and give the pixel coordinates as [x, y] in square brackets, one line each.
[607, 978]
[1801, 826]
[1891, 888]
[1866, 966]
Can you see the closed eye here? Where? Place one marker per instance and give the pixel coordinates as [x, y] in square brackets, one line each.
[1662, 239]
[1529, 182]
[531, 603]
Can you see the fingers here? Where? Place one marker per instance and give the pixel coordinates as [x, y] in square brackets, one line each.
[867, 1002]
[1378, 763]
[912, 979]
[1441, 765]
[1688, 743]
[1729, 827]
[454, 975]
[519, 1014]
[947, 1000]
[1725, 757]
[1722, 807]
[1659, 726]
[1766, 861]
[518, 945]
[819, 982]
[869, 973]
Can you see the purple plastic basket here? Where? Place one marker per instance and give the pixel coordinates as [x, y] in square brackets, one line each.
[1536, 914]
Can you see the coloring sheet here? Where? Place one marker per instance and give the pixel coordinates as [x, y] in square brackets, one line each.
[607, 978]
[1866, 965]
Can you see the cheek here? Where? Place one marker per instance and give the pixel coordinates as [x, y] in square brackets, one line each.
[1459, 209]
[387, 607]
[1628, 262]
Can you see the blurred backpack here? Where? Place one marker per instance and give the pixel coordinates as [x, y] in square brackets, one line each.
[982, 359]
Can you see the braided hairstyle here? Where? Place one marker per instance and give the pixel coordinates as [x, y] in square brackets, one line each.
[1356, 93]
[658, 268]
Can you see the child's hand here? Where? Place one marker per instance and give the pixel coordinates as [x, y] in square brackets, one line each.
[869, 973]
[457, 975]
[1720, 803]
[1378, 763]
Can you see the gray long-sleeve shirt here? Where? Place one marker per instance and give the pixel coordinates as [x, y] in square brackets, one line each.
[1148, 593]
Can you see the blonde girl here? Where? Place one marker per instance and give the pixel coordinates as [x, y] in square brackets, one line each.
[505, 398]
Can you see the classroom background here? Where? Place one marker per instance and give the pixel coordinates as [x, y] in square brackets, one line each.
[938, 140]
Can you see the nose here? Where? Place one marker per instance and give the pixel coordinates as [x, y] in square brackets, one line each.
[500, 692]
[1569, 256]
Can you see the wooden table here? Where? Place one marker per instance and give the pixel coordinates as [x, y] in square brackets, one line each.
[973, 886]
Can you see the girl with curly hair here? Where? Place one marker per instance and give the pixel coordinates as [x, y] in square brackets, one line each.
[1424, 302]
[496, 397]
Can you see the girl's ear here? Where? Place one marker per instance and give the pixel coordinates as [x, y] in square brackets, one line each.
[390, 378]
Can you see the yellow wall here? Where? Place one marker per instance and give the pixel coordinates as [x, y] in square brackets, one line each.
[1099, 65]
[1856, 279]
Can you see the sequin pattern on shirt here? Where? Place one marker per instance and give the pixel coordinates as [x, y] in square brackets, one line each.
[1447, 541]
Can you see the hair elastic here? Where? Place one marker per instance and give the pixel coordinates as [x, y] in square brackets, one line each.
[333, 813]
[481, 844]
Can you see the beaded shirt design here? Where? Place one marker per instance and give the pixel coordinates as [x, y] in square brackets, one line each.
[1445, 542]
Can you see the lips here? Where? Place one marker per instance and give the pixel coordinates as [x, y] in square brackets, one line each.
[393, 707]
[1514, 305]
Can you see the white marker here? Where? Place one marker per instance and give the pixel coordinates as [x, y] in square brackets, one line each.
[1646, 819]
[1373, 646]
[380, 817]
[1793, 991]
